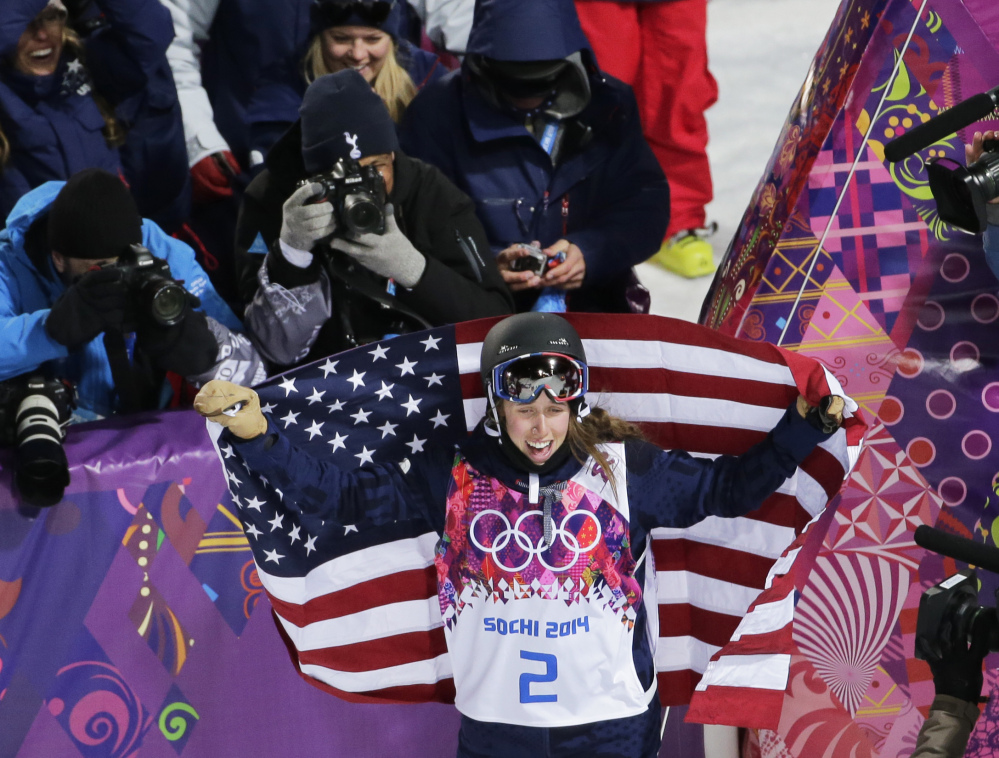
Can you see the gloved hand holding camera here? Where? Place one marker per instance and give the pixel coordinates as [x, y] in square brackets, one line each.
[391, 254]
[304, 223]
[94, 304]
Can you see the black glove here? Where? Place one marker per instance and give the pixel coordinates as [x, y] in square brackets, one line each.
[958, 672]
[188, 348]
[94, 304]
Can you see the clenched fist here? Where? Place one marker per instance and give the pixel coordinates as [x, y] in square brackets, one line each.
[827, 416]
[233, 406]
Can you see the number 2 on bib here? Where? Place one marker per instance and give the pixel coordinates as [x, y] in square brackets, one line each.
[528, 678]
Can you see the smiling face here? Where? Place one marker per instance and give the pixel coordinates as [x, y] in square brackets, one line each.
[362, 48]
[40, 45]
[537, 429]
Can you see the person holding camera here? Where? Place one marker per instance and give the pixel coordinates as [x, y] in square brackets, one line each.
[89, 291]
[958, 679]
[973, 153]
[551, 150]
[343, 240]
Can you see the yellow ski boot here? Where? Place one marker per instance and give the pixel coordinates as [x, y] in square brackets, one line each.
[688, 253]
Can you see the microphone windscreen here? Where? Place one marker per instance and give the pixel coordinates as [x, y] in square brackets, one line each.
[958, 548]
[938, 127]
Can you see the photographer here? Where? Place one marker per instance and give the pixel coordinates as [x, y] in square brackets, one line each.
[324, 289]
[958, 679]
[62, 287]
[991, 240]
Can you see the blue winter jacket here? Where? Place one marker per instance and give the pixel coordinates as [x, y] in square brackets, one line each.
[55, 128]
[609, 196]
[27, 294]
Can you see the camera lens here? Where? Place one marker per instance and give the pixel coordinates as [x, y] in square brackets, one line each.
[362, 215]
[42, 471]
[167, 302]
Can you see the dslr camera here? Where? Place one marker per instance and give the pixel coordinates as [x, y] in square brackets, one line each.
[357, 194]
[154, 295]
[33, 414]
[535, 260]
[950, 616]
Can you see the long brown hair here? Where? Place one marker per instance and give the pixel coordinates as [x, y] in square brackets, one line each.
[599, 426]
[393, 84]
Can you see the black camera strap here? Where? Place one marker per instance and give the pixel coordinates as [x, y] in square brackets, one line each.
[134, 394]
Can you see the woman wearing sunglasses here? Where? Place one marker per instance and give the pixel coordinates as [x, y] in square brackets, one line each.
[100, 97]
[364, 35]
[557, 499]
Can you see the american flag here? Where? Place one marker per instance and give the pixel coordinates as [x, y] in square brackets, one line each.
[357, 604]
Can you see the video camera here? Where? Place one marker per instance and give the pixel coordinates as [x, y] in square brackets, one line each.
[961, 192]
[33, 413]
[949, 613]
[357, 194]
[154, 295]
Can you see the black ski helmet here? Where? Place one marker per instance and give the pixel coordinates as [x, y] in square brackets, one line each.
[525, 334]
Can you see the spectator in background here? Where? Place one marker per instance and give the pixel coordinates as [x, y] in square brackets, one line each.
[364, 36]
[551, 150]
[103, 100]
[660, 48]
[318, 289]
[59, 293]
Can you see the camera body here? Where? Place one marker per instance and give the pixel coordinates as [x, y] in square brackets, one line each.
[948, 618]
[33, 412]
[535, 261]
[357, 194]
[962, 192]
[155, 297]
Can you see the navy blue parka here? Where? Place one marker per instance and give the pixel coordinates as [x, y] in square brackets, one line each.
[608, 196]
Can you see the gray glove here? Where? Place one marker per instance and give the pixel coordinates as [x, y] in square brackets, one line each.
[391, 254]
[304, 223]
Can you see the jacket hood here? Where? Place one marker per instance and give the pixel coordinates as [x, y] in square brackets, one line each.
[526, 30]
[14, 19]
[31, 205]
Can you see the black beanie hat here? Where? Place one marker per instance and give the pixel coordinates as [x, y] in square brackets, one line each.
[94, 216]
[342, 117]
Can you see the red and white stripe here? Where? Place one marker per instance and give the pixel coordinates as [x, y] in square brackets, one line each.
[367, 626]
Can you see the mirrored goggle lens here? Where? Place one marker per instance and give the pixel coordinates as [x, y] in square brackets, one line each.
[522, 379]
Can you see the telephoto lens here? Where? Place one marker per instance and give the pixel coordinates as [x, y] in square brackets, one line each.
[41, 472]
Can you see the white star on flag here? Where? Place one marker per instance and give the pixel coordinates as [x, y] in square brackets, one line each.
[226, 451]
[288, 385]
[378, 352]
[295, 533]
[357, 379]
[310, 546]
[430, 343]
[268, 408]
[412, 405]
[361, 417]
[329, 367]
[440, 419]
[434, 379]
[277, 522]
[416, 445]
[385, 391]
[337, 442]
[348, 529]
[316, 396]
[364, 456]
[252, 530]
[386, 429]
[336, 405]
[273, 555]
[254, 503]
[289, 419]
[316, 428]
[406, 367]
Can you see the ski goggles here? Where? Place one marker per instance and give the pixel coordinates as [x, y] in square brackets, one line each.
[327, 13]
[522, 379]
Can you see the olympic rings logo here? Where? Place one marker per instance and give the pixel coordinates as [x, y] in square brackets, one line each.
[523, 541]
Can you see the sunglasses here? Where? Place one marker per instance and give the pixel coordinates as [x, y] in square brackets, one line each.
[327, 13]
[523, 378]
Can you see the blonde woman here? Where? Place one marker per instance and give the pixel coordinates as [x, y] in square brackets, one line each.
[68, 103]
[364, 36]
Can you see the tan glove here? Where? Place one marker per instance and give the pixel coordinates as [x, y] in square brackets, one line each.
[233, 406]
[827, 416]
